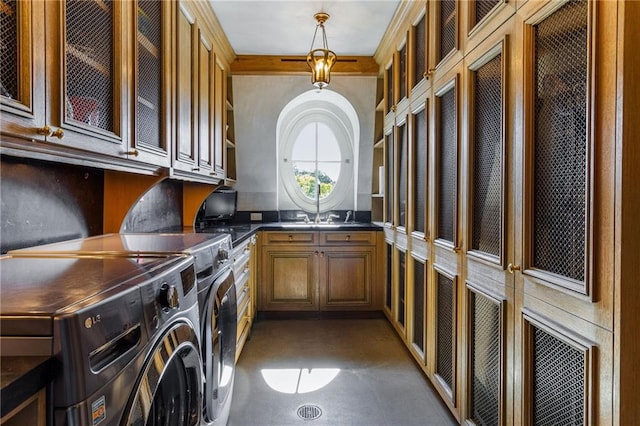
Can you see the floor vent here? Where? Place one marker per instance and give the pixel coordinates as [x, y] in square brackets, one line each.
[309, 412]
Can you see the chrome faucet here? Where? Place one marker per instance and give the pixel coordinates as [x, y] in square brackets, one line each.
[303, 216]
[331, 217]
[317, 221]
[346, 219]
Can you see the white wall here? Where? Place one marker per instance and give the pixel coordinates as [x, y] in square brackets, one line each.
[257, 102]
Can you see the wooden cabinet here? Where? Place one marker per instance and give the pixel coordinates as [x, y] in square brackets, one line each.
[244, 271]
[150, 139]
[326, 271]
[31, 412]
[200, 83]
[230, 144]
[22, 95]
[377, 174]
[119, 85]
[509, 240]
[69, 91]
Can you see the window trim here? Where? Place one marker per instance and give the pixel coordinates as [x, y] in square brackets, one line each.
[340, 116]
[287, 178]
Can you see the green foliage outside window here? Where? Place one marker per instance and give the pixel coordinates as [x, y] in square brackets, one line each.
[307, 180]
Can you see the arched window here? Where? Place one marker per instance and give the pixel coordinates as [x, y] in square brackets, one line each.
[316, 160]
[316, 140]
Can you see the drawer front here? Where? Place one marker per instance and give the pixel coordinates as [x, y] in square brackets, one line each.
[298, 237]
[242, 250]
[348, 238]
[244, 301]
[241, 265]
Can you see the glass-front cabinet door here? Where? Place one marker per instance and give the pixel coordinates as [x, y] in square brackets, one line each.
[86, 69]
[151, 119]
[22, 94]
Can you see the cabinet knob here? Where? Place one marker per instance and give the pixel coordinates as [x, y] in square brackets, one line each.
[58, 133]
[47, 131]
[512, 268]
[44, 131]
[456, 249]
[290, 238]
[427, 74]
[348, 237]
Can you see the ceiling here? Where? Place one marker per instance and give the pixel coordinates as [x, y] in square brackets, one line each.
[286, 27]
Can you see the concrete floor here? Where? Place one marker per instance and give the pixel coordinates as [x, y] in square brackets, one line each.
[356, 371]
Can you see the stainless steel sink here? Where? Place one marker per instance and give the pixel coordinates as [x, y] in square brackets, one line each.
[310, 225]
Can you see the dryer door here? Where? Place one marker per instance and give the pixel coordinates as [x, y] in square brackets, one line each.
[219, 341]
[169, 390]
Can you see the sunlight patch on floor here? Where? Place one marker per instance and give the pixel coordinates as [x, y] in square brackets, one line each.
[298, 380]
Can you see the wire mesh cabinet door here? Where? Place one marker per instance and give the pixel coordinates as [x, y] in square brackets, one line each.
[22, 95]
[87, 75]
[565, 250]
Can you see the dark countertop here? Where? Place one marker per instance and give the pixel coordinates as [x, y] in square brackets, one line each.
[22, 377]
[240, 232]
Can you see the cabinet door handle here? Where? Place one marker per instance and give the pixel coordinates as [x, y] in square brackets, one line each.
[195, 169]
[47, 131]
[512, 268]
[133, 152]
[291, 238]
[348, 237]
[321, 254]
[316, 252]
[44, 131]
[58, 133]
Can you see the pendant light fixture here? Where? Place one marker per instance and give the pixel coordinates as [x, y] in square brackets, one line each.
[320, 60]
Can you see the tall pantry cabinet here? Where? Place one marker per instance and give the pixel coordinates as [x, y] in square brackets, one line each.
[502, 156]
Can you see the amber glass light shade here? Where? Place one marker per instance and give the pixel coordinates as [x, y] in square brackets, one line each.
[321, 60]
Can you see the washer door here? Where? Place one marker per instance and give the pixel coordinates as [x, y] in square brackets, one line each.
[169, 390]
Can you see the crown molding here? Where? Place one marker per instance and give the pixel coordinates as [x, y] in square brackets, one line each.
[407, 13]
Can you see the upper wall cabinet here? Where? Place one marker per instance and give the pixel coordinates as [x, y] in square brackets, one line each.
[69, 94]
[100, 89]
[150, 132]
[201, 101]
[22, 93]
[68, 91]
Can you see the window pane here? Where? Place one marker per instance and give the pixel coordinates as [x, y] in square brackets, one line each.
[305, 173]
[329, 172]
[304, 148]
[328, 149]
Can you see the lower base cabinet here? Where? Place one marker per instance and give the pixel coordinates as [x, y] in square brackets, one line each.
[320, 271]
[30, 412]
[243, 257]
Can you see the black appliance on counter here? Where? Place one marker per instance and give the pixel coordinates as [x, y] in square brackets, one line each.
[123, 329]
[219, 207]
[217, 298]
